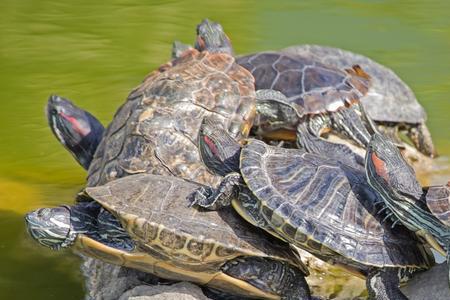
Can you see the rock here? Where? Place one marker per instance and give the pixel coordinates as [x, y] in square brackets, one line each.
[178, 291]
[107, 282]
[432, 284]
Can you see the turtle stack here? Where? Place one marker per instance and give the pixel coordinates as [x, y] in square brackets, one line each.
[220, 171]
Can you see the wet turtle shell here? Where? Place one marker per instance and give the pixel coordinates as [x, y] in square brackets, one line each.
[387, 91]
[156, 130]
[438, 201]
[175, 241]
[311, 87]
[326, 208]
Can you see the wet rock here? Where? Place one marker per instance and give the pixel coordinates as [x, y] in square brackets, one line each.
[432, 284]
[177, 291]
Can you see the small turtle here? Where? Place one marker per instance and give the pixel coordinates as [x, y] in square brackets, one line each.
[315, 95]
[390, 102]
[142, 221]
[425, 213]
[315, 203]
[77, 130]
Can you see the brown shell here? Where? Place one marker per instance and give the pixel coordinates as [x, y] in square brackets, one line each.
[155, 211]
[310, 86]
[156, 130]
[326, 208]
[438, 201]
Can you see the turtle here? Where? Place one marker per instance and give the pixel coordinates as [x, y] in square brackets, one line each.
[315, 203]
[424, 212]
[386, 94]
[155, 130]
[143, 221]
[76, 129]
[315, 97]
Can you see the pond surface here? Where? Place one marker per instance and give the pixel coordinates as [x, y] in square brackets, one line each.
[95, 54]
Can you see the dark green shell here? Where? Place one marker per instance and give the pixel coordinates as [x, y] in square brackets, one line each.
[325, 208]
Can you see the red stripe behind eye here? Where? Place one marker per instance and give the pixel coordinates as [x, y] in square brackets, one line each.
[75, 124]
[380, 167]
[211, 145]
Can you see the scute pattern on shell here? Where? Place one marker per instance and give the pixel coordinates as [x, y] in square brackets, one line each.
[310, 86]
[305, 194]
[387, 91]
[154, 210]
[156, 130]
[438, 201]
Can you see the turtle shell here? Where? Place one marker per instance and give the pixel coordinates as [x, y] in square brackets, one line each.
[387, 91]
[438, 201]
[155, 212]
[311, 87]
[156, 130]
[326, 208]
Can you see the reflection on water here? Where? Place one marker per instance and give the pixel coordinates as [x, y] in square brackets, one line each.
[95, 53]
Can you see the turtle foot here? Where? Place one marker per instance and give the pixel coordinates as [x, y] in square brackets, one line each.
[214, 199]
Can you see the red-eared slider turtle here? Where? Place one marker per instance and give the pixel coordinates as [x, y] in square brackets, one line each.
[143, 221]
[315, 203]
[389, 102]
[396, 182]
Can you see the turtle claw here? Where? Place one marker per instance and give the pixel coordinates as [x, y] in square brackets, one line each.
[214, 199]
[200, 197]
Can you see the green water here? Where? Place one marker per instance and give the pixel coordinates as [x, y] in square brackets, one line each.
[94, 54]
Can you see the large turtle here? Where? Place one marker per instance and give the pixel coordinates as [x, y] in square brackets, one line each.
[155, 132]
[390, 102]
[312, 202]
[147, 225]
[424, 212]
[313, 97]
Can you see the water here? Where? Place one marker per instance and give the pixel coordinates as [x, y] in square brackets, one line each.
[95, 54]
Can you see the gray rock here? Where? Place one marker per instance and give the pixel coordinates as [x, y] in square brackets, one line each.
[432, 284]
[178, 291]
[108, 282]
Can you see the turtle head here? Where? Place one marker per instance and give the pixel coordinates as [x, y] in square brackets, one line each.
[389, 173]
[76, 129]
[211, 37]
[50, 227]
[219, 151]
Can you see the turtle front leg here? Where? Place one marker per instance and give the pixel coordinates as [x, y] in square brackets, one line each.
[347, 122]
[383, 284]
[421, 138]
[273, 276]
[338, 152]
[215, 199]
